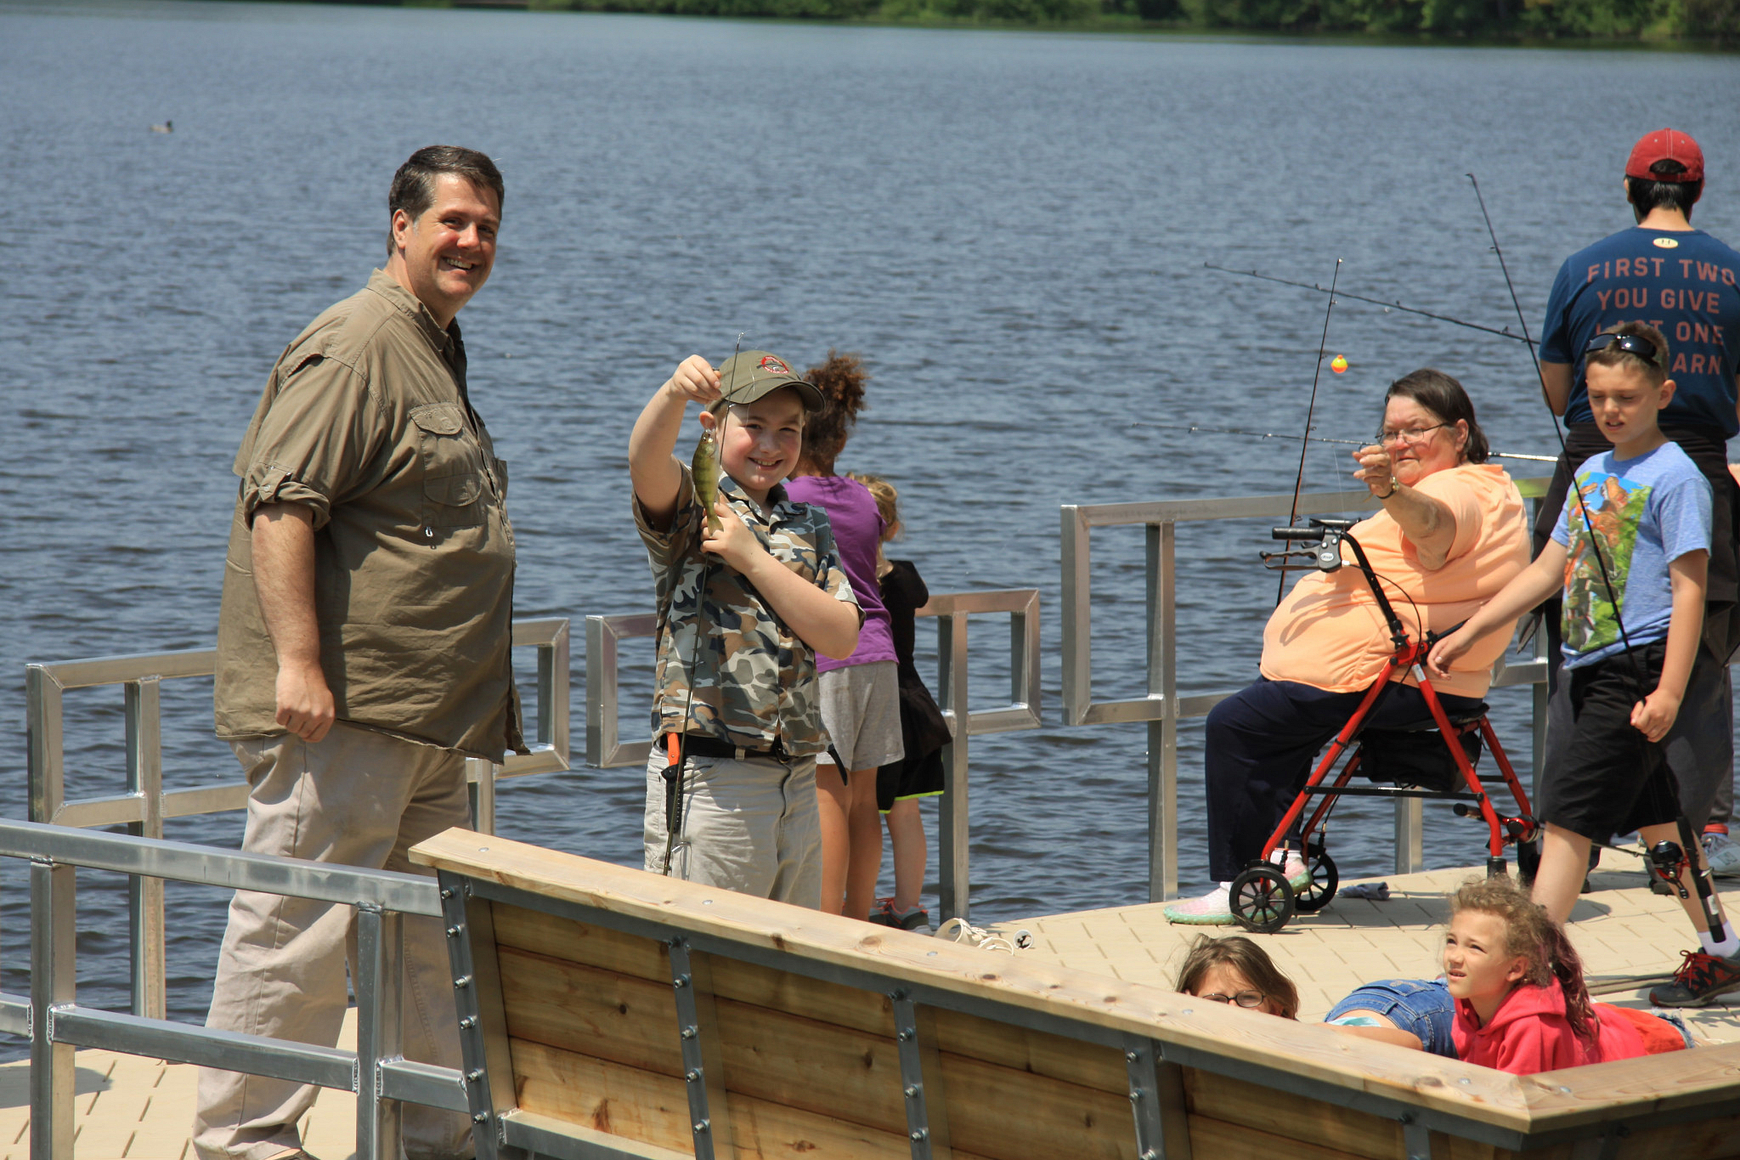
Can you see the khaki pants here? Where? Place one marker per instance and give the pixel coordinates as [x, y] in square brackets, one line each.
[359, 798]
[749, 826]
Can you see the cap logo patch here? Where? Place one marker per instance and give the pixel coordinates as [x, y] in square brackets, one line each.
[1667, 243]
[774, 367]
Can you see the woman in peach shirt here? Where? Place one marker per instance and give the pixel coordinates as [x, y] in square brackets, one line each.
[1451, 534]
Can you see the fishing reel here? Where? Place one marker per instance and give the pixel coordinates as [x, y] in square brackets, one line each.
[1666, 861]
[1325, 555]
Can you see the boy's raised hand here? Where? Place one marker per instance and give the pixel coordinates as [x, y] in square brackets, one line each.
[1446, 651]
[695, 379]
[733, 543]
[1654, 715]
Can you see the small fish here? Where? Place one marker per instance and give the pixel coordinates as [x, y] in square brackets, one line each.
[705, 469]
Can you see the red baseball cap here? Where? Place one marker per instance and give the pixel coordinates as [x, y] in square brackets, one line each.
[1666, 145]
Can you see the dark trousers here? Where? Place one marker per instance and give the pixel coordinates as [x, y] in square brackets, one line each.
[1260, 746]
[1699, 748]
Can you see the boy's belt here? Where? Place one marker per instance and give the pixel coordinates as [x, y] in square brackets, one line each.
[697, 745]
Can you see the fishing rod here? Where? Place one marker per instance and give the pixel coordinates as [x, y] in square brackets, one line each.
[1194, 427]
[1504, 333]
[704, 474]
[1310, 413]
[1564, 450]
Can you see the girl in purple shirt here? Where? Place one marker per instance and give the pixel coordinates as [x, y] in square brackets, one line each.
[860, 693]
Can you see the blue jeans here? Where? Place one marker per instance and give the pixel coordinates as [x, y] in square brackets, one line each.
[1424, 1009]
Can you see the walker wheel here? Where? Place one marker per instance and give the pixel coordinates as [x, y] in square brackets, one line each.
[1324, 880]
[1262, 899]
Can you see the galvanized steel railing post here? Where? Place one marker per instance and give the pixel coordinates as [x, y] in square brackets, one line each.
[379, 1028]
[1077, 614]
[604, 746]
[43, 722]
[480, 775]
[1410, 836]
[1162, 617]
[145, 895]
[954, 885]
[52, 966]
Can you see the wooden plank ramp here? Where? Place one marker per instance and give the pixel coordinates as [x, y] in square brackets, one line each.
[1023, 1058]
[812, 1067]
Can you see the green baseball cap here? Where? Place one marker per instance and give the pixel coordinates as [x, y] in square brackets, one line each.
[752, 374]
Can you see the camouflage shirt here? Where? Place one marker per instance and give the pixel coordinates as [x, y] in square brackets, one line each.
[755, 681]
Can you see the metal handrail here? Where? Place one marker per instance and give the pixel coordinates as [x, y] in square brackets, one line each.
[145, 804]
[605, 749]
[1163, 708]
[376, 1073]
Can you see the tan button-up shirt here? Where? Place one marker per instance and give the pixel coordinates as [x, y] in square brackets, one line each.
[366, 422]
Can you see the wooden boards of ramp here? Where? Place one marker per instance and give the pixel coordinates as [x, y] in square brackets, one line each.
[609, 1012]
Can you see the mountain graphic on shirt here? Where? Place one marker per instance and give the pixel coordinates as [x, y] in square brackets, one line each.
[1615, 507]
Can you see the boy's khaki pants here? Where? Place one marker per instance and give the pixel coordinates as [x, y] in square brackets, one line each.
[359, 798]
[749, 826]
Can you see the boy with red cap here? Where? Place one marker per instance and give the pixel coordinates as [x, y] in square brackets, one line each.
[1683, 282]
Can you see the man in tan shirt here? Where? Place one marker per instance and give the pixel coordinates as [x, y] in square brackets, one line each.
[363, 644]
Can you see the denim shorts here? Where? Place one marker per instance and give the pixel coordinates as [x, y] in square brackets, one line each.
[1420, 1007]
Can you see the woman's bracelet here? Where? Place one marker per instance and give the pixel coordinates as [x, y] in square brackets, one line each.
[1394, 484]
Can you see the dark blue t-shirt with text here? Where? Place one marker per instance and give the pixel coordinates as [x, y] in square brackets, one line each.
[1683, 283]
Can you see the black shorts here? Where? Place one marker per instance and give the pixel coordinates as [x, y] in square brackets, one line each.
[1610, 778]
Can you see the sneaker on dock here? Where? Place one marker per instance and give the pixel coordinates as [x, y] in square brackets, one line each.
[912, 918]
[1723, 855]
[1212, 909]
[1698, 982]
[1298, 874]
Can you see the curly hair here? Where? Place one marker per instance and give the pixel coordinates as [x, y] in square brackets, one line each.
[841, 380]
[1530, 934]
[1248, 959]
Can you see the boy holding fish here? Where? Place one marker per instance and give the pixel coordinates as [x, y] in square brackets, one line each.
[749, 589]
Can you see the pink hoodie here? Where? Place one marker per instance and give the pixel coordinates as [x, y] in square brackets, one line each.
[1530, 1032]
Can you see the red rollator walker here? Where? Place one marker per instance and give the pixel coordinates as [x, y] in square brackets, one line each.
[1435, 760]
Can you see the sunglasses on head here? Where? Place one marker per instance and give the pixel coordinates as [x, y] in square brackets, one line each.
[1629, 343]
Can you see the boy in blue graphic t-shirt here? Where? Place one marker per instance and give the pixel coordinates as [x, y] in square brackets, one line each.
[1628, 558]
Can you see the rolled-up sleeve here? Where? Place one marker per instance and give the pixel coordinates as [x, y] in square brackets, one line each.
[312, 442]
[1464, 507]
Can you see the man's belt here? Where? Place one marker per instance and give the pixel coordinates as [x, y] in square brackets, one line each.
[699, 745]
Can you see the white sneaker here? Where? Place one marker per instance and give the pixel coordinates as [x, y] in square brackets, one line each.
[1723, 855]
[1212, 909]
[1299, 875]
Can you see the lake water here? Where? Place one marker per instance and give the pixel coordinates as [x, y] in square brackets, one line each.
[1010, 227]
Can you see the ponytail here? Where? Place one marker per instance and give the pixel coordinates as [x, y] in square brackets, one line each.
[1531, 935]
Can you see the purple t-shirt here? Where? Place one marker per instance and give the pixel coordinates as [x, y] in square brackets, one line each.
[857, 531]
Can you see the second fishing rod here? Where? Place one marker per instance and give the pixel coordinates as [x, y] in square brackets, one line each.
[1667, 863]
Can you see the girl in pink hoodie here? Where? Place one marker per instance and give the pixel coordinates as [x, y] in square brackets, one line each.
[1521, 1005]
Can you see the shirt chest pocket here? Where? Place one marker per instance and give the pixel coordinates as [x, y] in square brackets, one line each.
[453, 479]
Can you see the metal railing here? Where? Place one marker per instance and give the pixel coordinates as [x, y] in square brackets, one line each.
[145, 804]
[952, 610]
[376, 1073]
[1164, 707]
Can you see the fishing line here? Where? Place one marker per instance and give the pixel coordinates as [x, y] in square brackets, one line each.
[1195, 427]
[1701, 878]
[1310, 412]
[1505, 333]
[1564, 450]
